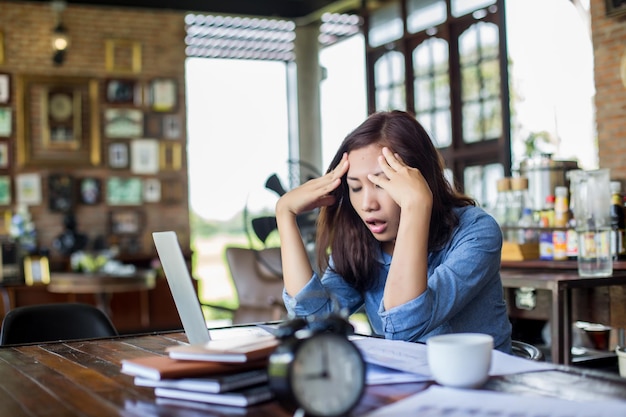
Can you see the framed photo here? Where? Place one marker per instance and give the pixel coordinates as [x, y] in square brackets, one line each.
[5, 86]
[123, 123]
[57, 127]
[6, 119]
[171, 126]
[60, 193]
[28, 189]
[122, 91]
[124, 191]
[144, 154]
[1, 48]
[125, 222]
[151, 190]
[163, 94]
[5, 190]
[171, 156]
[122, 55]
[5, 155]
[118, 155]
[36, 270]
[90, 191]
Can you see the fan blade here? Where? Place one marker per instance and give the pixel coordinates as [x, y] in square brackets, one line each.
[263, 226]
[273, 183]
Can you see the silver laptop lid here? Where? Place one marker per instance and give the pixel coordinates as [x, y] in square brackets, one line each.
[181, 287]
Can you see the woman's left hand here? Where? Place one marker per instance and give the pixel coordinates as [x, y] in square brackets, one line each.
[405, 184]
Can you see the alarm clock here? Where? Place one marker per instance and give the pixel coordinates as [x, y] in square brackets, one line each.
[316, 368]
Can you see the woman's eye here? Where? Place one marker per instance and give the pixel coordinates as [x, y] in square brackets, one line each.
[355, 190]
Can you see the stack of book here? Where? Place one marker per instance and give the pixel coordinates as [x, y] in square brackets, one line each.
[225, 372]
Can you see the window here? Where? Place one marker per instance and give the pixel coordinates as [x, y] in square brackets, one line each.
[446, 43]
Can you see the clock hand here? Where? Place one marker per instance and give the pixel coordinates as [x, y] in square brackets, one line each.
[325, 362]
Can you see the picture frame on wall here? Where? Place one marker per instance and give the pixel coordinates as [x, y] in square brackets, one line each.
[124, 191]
[1, 48]
[55, 129]
[144, 156]
[5, 190]
[171, 126]
[151, 190]
[5, 87]
[60, 193]
[90, 191]
[122, 91]
[118, 155]
[6, 122]
[122, 56]
[153, 126]
[171, 156]
[125, 222]
[123, 123]
[28, 189]
[163, 94]
[615, 8]
[5, 155]
[36, 270]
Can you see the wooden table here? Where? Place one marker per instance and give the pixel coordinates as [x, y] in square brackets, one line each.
[83, 378]
[101, 285]
[560, 283]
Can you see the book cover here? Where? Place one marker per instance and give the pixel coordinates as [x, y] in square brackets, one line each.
[212, 384]
[162, 367]
[238, 350]
[239, 398]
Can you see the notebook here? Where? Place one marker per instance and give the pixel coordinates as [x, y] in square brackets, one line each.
[185, 297]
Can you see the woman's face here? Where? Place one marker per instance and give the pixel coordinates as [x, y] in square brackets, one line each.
[377, 209]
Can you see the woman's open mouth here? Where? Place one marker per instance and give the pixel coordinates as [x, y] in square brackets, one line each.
[376, 226]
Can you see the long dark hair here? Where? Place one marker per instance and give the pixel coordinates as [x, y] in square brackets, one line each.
[340, 230]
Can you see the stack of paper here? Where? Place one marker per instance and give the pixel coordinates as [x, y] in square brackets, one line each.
[233, 382]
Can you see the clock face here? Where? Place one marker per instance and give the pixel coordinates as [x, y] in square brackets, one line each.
[60, 106]
[328, 375]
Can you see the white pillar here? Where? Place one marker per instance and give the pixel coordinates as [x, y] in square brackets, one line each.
[309, 76]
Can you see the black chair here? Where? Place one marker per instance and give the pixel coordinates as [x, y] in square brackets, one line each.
[54, 322]
[526, 350]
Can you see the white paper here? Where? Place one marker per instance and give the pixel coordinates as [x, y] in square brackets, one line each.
[439, 401]
[412, 357]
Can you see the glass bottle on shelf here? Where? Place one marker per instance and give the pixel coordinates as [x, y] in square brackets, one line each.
[571, 234]
[546, 247]
[561, 213]
[502, 208]
[527, 232]
[618, 223]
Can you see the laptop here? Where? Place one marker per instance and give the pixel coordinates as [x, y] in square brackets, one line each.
[181, 287]
[185, 297]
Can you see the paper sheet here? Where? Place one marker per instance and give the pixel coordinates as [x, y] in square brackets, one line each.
[409, 357]
[439, 401]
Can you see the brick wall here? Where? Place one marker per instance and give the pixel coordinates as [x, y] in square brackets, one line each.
[609, 42]
[27, 28]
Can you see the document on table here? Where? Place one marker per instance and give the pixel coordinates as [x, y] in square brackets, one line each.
[411, 358]
[439, 401]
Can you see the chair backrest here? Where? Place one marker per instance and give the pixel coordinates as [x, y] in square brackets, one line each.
[257, 275]
[54, 322]
[526, 350]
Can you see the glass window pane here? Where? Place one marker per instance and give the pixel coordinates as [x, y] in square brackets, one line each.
[385, 25]
[493, 119]
[389, 69]
[480, 183]
[422, 94]
[424, 14]
[443, 129]
[472, 128]
[398, 99]
[442, 91]
[470, 84]
[422, 59]
[490, 72]
[463, 7]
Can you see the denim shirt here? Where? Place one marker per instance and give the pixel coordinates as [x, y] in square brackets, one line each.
[464, 292]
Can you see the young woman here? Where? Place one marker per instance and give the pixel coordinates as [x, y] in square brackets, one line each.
[394, 237]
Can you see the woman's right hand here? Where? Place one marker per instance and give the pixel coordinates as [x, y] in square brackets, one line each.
[313, 193]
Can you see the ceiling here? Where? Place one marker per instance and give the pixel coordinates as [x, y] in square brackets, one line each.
[284, 9]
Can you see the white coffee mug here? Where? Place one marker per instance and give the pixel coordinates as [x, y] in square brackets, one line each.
[460, 360]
